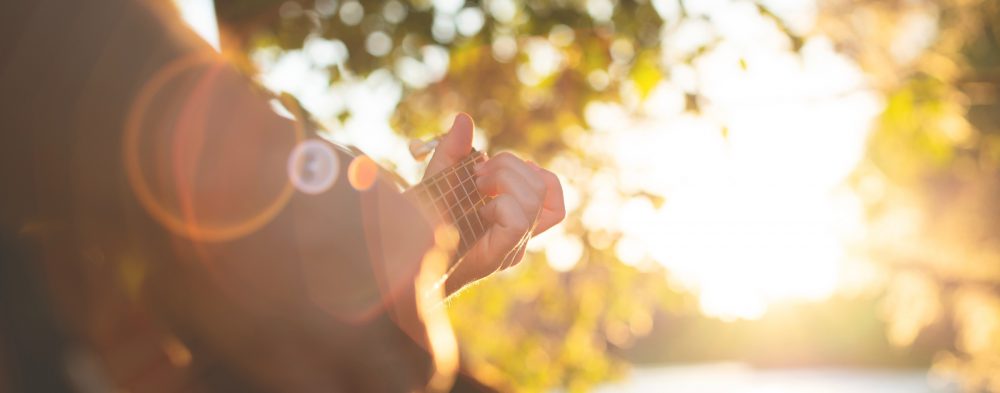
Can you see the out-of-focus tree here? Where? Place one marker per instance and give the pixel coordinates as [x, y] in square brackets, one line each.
[932, 177]
[526, 71]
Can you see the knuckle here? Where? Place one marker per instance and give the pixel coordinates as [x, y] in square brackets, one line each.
[520, 224]
[505, 156]
[535, 204]
[507, 159]
[537, 184]
[507, 175]
[547, 174]
[506, 201]
[532, 203]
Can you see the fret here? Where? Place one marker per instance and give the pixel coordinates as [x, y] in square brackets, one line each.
[435, 182]
[470, 189]
[465, 211]
[464, 241]
[452, 196]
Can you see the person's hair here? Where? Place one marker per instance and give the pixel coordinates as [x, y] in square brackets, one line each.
[32, 343]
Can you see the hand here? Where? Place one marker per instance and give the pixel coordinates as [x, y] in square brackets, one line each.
[527, 200]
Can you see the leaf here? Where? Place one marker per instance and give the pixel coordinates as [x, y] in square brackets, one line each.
[646, 73]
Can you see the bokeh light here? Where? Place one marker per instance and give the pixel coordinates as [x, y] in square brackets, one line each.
[362, 173]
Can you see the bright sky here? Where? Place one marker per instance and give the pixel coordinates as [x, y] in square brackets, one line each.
[200, 15]
[758, 217]
[754, 218]
[751, 219]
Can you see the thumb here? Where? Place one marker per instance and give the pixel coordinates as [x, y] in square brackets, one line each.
[454, 145]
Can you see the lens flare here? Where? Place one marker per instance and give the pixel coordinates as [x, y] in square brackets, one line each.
[440, 335]
[362, 173]
[150, 184]
[313, 167]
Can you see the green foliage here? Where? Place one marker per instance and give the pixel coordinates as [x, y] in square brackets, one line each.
[526, 115]
[911, 123]
[534, 328]
[934, 217]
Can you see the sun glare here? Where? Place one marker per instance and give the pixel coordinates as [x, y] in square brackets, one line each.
[755, 207]
[200, 16]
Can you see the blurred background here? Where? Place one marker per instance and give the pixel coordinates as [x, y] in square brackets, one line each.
[763, 196]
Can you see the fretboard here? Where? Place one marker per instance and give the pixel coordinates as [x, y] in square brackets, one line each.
[452, 196]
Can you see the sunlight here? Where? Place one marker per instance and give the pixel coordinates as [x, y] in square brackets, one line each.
[200, 16]
[755, 209]
[362, 173]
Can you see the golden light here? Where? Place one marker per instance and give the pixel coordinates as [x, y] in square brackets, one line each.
[446, 237]
[177, 353]
[361, 173]
[187, 215]
[563, 252]
[755, 209]
[431, 295]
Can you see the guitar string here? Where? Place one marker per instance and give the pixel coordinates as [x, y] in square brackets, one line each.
[442, 182]
[469, 222]
[508, 257]
[435, 181]
[443, 177]
[449, 188]
[467, 196]
[464, 216]
[470, 228]
[454, 168]
[442, 191]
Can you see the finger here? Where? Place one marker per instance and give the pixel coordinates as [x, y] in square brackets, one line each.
[516, 259]
[553, 205]
[509, 182]
[509, 226]
[454, 146]
[504, 212]
[507, 160]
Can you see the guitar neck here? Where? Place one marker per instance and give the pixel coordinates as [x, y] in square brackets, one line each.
[453, 197]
